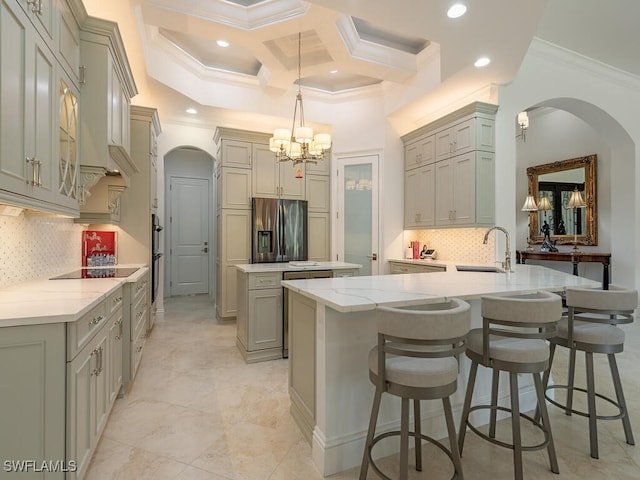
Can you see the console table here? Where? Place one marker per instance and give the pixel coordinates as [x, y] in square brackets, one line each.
[574, 257]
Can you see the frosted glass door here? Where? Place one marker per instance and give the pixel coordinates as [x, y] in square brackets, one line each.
[359, 215]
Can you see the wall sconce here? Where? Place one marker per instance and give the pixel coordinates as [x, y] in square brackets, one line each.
[523, 123]
[576, 201]
[529, 206]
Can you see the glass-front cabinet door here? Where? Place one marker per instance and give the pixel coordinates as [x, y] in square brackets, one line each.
[68, 141]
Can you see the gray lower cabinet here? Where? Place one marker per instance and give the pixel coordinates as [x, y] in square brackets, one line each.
[94, 378]
[259, 316]
[58, 383]
[404, 267]
[32, 389]
[135, 320]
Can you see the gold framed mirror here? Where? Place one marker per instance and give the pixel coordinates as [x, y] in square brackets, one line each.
[551, 185]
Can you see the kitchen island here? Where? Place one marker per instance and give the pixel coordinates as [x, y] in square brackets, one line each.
[262, 319]
[333, 328]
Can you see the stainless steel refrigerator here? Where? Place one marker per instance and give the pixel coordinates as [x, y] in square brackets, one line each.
[279, 230]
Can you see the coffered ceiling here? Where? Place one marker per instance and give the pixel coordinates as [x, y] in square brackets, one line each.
[363, 47]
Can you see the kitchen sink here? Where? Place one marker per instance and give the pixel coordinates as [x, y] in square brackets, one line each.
[478, 268]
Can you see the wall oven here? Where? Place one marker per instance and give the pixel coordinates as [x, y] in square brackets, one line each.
[156, 228]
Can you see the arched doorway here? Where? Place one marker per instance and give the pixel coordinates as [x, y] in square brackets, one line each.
[188, 221]
[563, 128]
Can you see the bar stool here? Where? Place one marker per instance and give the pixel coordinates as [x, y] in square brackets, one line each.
[416, 358]
[512, 339]
[591, 327]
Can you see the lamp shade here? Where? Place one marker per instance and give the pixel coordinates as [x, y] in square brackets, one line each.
[529, 204]
[576, 200]
[273, 146]
[322, 141]
[523, 120]
[304, 134]
[544, 204]
[282, 136]
[294, 150]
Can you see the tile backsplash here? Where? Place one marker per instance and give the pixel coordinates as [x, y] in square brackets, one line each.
[34, 247]
[456, 244]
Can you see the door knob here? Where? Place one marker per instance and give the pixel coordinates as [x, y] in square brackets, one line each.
[205, 249]
[373, 256]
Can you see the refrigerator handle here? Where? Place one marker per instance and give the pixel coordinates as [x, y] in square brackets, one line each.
[282, 229]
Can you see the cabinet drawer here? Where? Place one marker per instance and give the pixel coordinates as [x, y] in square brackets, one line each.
[114, 301]
[345, 273]
[403, 268]
[140, 287]
[81, 331]
[264, 280]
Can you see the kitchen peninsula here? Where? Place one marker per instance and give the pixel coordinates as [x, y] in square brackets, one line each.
[333, 328]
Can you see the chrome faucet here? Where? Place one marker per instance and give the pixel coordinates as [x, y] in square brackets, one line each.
[506, 265]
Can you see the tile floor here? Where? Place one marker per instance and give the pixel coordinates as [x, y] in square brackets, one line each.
[196, 411]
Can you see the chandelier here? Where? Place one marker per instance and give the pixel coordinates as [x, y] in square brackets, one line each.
[299, 144]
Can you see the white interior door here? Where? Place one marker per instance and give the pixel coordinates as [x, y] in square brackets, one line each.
[189, 231]
[357, 231]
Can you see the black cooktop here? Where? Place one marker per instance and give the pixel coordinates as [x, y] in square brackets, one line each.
[98, 272]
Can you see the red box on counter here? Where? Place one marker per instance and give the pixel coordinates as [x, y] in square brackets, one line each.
[99, 248]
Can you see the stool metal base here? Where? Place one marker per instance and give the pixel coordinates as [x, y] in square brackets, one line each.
[570, 410]
[426, 438]
[510, 446]
[619, 403]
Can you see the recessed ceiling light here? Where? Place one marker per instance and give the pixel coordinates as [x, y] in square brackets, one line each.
[482, 62]
[457, 10]
[333, 71]
[192, 111]
[222, 43]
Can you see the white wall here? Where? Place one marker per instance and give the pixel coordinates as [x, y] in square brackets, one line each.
[607, 100]
[359, 127]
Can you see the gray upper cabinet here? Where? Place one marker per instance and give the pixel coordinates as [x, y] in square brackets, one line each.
[34, 162]
[449, 170]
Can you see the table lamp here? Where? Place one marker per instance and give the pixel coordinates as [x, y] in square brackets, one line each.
[529, 206]
[576, 201]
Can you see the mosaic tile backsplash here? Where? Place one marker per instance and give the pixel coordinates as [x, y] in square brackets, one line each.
[35, 247]
[457, 244]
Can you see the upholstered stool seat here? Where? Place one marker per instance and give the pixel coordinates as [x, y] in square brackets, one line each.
[591, 326]
[512, 339]
[416, 359]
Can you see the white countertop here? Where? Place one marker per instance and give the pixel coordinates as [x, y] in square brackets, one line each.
[365, 293]
[55, 301]
[289, 267]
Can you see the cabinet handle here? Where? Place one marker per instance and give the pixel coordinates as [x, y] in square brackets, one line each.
[36, 6]
[37, 165]
[100, 357]
[120, 332]
[83, 75]
[96, 320]
[95, 352]
[31, 161]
